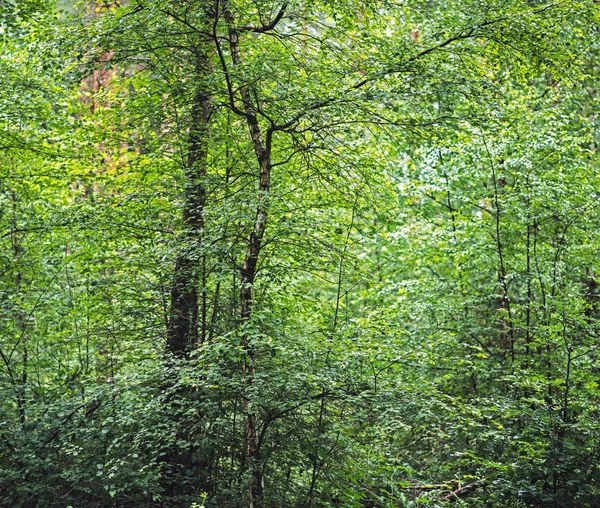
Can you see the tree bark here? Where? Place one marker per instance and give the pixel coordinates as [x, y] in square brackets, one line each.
[187, 322]
[262, 149]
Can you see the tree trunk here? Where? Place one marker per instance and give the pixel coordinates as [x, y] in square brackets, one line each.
[262, 150]
[188, 307]
[187, 323]
[20, 385]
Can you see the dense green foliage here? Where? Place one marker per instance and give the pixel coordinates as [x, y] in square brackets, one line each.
[305, 253]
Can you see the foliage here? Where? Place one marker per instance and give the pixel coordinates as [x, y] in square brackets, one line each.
[306, 254]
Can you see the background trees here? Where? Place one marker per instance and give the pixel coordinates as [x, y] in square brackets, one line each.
[303, 253]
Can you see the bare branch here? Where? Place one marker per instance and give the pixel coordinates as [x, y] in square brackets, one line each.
[269, 26]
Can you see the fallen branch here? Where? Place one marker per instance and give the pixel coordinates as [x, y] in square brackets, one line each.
[430, 486]
[461, 491]
[434, 486]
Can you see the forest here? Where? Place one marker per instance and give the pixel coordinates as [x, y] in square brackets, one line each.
[299, 253]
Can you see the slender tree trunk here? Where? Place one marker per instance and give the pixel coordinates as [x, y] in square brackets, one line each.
[262, 150]
[21, 386]
[505, 321]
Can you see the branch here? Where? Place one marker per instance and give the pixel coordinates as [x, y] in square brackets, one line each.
[185, 22]
[265, 28]
[230, 91]
[461, 491]
[429, 486]
[92, 407]
[464, 34]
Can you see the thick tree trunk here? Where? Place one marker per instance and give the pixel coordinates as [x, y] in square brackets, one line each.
[187, 316]
[188, 306]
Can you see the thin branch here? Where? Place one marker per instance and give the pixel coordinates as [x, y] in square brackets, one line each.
[269, 26]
